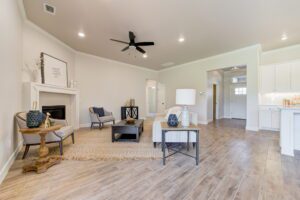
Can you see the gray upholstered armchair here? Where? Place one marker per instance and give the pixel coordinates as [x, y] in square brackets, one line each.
[95, 119]
[53, 137]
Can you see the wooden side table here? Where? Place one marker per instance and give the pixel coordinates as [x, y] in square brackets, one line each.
[44, 161]
[166, 128]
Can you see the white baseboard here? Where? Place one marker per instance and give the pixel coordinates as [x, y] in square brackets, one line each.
[203, 122]
[85, 125]
[227, 117]
[252, 128]
[9, 162]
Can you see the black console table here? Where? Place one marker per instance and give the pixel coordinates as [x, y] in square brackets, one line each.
[129, 111]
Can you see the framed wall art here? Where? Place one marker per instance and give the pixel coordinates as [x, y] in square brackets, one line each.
[54, 71]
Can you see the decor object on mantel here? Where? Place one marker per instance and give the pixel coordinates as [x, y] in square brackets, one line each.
[34, 118]
[33, 70]
[54, 71]
[185, 97]
[173, 120]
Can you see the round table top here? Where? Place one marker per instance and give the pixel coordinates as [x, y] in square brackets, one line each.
[40, 129]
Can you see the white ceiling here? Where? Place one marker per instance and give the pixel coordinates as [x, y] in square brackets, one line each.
[210, 27]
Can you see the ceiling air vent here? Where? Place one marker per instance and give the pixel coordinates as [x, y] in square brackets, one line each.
[49, 9]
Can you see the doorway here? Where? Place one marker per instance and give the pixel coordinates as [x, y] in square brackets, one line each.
[155, 98]
[214, 102]
[226, 93]
[238, 101]
[161, 98]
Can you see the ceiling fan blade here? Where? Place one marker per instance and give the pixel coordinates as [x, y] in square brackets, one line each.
[140, 49]
[131, 36]
[119, 41]
[126, 48]
[144, 43]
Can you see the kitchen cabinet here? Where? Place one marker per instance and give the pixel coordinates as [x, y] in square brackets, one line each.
[269, 118]
[267, 79]
[295, 77]
[280, 78]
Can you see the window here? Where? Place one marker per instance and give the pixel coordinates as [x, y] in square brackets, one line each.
[240, 91]
[239, 79]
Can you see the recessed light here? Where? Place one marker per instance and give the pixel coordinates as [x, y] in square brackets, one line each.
[81, 34]
[284, 37]
[181, 39]
[145, 55]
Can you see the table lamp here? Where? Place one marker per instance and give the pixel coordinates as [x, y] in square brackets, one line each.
[185, 97]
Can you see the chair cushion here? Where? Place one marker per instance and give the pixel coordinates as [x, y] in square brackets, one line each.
[106, 118]
[64, 131]
[99, 111]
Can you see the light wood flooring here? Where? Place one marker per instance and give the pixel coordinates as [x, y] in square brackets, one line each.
[234, 164]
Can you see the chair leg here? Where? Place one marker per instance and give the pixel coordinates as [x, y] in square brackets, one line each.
[154, 144]
[92, 125]
[26, 151]
[194, 145]
[61, 148]
[73, 138]
[114, 122]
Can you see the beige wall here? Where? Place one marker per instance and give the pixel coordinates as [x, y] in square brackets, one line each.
[194, 75]
[110, 84]
[10, 80]
[281, 55]
[36, 41]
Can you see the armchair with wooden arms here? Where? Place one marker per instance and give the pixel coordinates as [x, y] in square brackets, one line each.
[52, 137]
[96, 119]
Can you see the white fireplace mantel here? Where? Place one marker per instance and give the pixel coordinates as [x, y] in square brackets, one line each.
[32, 91]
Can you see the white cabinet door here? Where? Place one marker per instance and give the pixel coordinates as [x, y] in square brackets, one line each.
[283, 79]
[267, 79]
[265, 118]
[295, 77]
[275, 124]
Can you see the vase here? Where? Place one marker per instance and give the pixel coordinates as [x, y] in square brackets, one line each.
[173, 120]
[34, 118]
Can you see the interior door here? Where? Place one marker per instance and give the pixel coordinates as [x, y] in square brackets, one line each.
[238, 101]
[214, 102]
[161, 92]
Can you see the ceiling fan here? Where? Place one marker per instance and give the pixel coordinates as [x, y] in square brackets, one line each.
[133, 44]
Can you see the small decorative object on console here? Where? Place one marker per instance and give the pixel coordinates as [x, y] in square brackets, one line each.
[173, 120]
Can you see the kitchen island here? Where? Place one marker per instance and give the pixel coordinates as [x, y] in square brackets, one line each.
[290, 130]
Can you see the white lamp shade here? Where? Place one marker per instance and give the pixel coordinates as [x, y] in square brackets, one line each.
[185, 96]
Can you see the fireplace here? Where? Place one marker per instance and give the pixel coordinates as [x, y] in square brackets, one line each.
[57, 112]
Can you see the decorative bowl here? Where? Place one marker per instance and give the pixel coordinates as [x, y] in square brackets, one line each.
[130, 121]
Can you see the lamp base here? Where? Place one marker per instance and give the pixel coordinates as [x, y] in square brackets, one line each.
[185, 117]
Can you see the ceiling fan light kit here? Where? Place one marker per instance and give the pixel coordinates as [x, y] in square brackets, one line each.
[134, 45]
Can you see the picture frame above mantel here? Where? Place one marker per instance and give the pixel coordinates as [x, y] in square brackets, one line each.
[54, 71]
